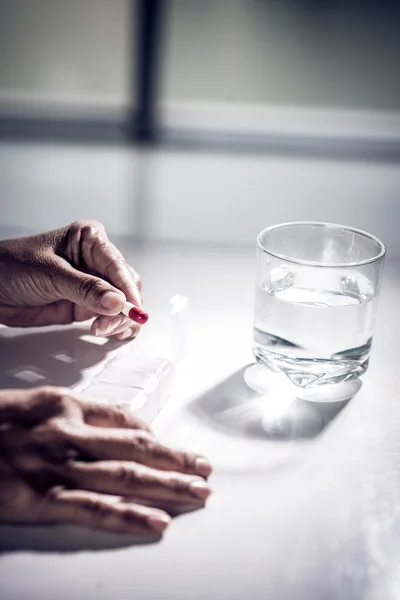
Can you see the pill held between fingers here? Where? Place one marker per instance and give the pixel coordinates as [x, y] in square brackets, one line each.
[135, 313]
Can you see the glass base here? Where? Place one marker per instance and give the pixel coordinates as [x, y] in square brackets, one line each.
[266, 380]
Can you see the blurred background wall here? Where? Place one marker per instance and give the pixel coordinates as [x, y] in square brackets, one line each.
[337, 53]
[73, 55]
[259, 110]
[334, 53]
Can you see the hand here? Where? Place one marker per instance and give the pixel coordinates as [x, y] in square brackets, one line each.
[66, 460]
[70, 274]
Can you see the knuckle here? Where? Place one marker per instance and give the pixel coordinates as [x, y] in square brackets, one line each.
[75, 228]
[52, 442]
[167, 456]
[136, 278]
[122, 418]
[97, 509]
[119, 261]
[116, 266]
[96, 225]
[134, 275]
[87, 226]
[88, 236]
[138, 283]
[107, 249]
[118, 414]
[132, 517]
[127, 474]
[142, 437]
[93, 230]
[47, 392]
[140, 425]
[57, 398]
[143, 442]
[48, 401]
[177, 484]
[188, 460]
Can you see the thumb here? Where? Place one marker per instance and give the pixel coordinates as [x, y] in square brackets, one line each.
[93, 293]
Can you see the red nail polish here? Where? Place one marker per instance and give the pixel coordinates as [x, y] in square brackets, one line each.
[135, 313]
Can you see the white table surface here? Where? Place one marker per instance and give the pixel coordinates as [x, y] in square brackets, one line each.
[307, 508]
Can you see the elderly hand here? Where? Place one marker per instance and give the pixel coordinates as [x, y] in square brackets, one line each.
[64, 460]
[70, 274]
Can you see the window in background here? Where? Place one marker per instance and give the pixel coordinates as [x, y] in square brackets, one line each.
[67, 57]
[239, 56]
[290, 52]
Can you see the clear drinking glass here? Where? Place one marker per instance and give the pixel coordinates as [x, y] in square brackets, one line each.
[317, 289]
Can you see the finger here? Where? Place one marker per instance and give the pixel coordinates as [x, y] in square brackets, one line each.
[91, 293]
[98, 414]
[138, 446]
[55, 313]
[101, 512]
[106, 326]
[125, 328]
[101, 256]
[130, 333]
[130, 479]
[136, 278]
[103, 325]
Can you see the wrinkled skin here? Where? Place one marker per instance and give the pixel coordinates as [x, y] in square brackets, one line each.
[66, 275]
[67, 460]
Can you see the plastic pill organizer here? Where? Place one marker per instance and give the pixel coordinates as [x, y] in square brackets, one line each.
[139, 375]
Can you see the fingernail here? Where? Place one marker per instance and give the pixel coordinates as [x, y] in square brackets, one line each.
[200, 489]
[158, 522]
[203, 467]
[111, 301]
[113, 324]
[99, 330]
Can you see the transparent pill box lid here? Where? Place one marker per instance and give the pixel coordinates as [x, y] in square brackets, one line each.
[139, 375]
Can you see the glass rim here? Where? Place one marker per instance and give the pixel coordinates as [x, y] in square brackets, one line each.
[311, 263]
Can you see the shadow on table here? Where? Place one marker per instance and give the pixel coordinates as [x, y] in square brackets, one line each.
[57, 356]
[52, 356]
[66, 539]
[49, 356]
[235, 408]
[70, 538]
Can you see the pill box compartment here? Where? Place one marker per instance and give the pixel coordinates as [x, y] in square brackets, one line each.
[140, 375]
